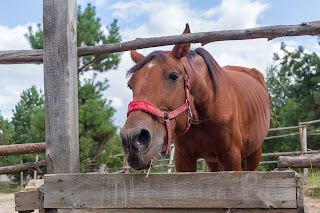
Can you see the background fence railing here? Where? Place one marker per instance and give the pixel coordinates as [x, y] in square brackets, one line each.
[168, 163]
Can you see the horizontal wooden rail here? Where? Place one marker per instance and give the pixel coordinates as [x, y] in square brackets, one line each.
[309, 122]
[281, 136]
[284, 128]
[269, 32]
[22, 167]
[303, 161]
[26, 148]
[275, 154]
[236, 190]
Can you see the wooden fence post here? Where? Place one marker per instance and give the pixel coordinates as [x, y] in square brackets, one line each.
[35, 171]
[61, 85]
[21, 178]
[303, 142]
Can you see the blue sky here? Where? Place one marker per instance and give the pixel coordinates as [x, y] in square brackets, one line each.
[17, 12]
[146, 18]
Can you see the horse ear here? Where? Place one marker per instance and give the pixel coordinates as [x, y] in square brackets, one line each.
[135, 56]
[181, 50]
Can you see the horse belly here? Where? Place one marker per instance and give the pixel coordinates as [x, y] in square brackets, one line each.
[253, 112]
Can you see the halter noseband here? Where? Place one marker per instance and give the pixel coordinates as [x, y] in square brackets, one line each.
[148, 107]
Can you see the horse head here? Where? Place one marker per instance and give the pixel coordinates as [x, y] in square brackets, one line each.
[161, 106]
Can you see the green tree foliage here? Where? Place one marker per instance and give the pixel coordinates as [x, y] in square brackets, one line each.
[24, 116]
[90, 32]
[28, 125]
[6, 131]
[293, 83]
[98, 135]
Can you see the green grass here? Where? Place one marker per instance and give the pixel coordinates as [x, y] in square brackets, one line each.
[314, 177]
[6, 188]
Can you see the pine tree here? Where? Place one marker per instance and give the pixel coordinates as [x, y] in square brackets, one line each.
[97, 133]
[90, 32]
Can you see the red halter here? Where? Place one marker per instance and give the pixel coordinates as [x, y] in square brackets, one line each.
[148, 107]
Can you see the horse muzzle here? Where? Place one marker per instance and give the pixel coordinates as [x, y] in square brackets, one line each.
[140, 146]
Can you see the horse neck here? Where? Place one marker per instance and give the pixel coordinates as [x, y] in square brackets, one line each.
[208, 102]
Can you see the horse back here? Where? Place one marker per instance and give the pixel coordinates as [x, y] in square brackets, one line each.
[250, 71]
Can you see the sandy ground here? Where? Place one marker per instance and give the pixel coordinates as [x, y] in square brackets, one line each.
[7, 204]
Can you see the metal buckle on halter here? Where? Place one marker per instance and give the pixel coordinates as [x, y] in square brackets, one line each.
[189, 119]
[165, 115]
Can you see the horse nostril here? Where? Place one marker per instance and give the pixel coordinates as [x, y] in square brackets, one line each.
[143, 138]
[124, 140]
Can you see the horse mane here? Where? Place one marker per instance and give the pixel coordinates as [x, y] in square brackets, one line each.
[158, 55]
[212, 65]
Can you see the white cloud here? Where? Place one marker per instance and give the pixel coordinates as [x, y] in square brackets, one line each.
[116, 102]
[16, 78]
[97, 3]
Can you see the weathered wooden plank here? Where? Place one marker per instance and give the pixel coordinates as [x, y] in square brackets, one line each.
[61, 85]
[26, 148]
[269, 32]
[177, 190]
[300, 194]
[26, 201]
[303, 161]
[177, 210]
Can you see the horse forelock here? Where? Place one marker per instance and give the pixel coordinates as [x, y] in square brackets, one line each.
[158, 55]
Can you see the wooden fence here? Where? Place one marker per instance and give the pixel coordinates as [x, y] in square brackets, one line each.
[59, 57]
[168, 163]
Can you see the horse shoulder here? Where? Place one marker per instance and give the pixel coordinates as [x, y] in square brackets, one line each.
[250, 71]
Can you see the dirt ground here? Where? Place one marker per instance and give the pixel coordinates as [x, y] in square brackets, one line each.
[7, 204]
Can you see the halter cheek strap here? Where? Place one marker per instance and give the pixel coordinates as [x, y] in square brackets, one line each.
[148, 107]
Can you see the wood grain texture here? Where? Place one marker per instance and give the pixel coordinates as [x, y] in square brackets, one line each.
[178, 210]
[269, 32]
[26, 200]
[303, 161]
[176, 190]
[61, 85]
[300, 193]
[26, 148]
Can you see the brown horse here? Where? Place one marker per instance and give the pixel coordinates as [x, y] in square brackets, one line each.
[217, 113]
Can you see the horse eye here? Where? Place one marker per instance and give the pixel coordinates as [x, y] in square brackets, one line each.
[173, 76]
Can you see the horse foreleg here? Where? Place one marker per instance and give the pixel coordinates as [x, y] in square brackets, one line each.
[215, 166]
[184, 164]
[253, 159]
[231, 160]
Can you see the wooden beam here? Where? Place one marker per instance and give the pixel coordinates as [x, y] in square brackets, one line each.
[166, 210]
[284, 128]
[22, 167]
[310, 122]
[303, 161]
[289, 153]
[26, 148]
[61, 85]
[269, 32]
[247, 190]
[26, 201]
